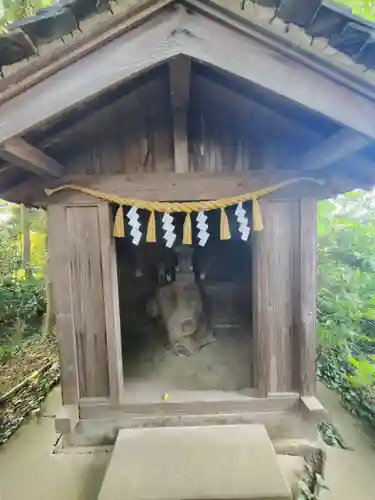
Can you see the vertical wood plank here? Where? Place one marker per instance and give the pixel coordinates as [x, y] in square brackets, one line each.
[181, 154]
[163, 144]
[58, 249]
[285, 218]
[88, 300]
[261, 293]
[179, 76]
[307, 303]
[111, 305]
[274, 261]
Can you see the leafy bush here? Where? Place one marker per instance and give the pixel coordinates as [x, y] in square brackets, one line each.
[363, 8]
[22, 301]
[346, 302]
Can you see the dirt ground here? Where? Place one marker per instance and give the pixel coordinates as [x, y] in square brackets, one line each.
[222, 365]
[29, 471]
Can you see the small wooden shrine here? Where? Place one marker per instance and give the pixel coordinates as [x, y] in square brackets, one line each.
[180, 149]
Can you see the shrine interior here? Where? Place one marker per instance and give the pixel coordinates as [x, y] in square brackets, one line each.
[186, 314]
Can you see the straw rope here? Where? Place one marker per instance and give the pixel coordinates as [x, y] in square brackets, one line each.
[184, 207]
[187, 207]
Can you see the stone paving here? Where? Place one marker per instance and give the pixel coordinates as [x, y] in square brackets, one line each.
[29, 470]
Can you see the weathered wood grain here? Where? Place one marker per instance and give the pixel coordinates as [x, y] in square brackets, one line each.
[168, 187]
[127, 56]
[219, 46]
[275, 125]
[88, 300]
[179, 77]
[136, 135]
[66, 54]
[274, 264]
[340, 145]
[199, 407]
[307, 294]
[58, 248]
[111, 304]
[22, 154]
[261, 323]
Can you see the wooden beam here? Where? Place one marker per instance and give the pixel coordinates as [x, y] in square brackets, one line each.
[5, 169]
[22, 154]
[216, 93]
[168, 34]
[180, 77]
[177, 406]
[69, 53]
[142, 49]
[176, 187]
[216, 45]
[168, 187]
[219, 96]
[259, 23]
[340, 145]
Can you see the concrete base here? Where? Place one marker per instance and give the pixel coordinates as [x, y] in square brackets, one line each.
[195, 463]
[293, 469]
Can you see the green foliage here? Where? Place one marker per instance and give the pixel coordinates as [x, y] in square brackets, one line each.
[11, 10]
[346, 302]
[365, 8]
[22, 295]
[331, 436]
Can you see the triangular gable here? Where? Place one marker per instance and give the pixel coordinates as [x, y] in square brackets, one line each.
[205, 33]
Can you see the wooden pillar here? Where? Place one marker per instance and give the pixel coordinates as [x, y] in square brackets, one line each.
[86, 286]
[273, 288]
[84, 274]
[284, 297]
[306, 318]
[111, 305]
[59, 273]
[261, 330]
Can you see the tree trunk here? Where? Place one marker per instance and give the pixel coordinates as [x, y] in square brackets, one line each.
[26, 244]
[50, 316]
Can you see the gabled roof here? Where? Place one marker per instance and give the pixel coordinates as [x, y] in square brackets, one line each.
[151, 34]
[69, 22]
[272, 59]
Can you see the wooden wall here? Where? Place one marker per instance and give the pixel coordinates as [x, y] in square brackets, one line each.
[131, 135]
[136, 135]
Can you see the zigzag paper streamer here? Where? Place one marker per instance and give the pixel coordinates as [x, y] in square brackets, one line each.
[134, 223]
[202, 225]
[169, 230]
[243, 222]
